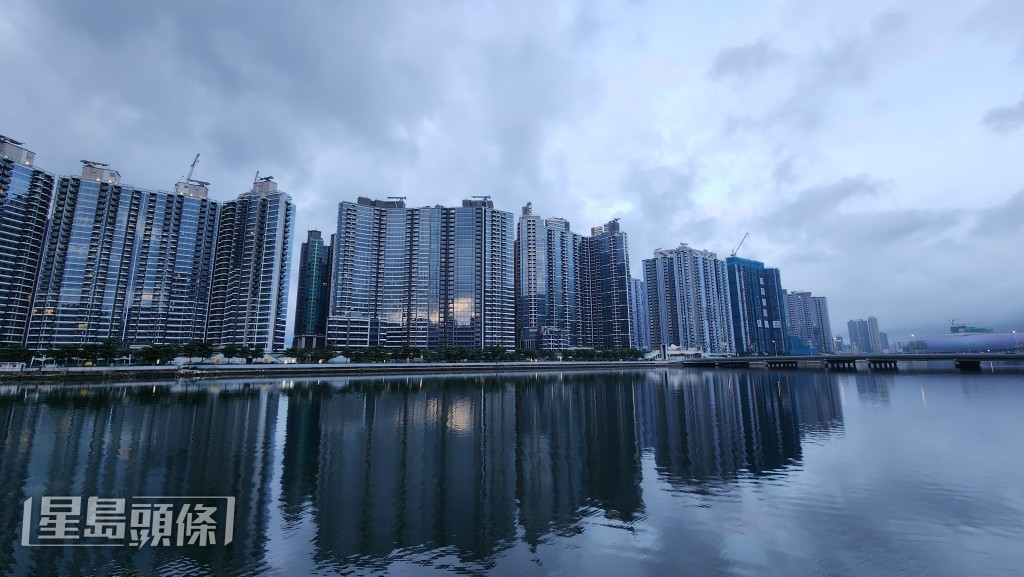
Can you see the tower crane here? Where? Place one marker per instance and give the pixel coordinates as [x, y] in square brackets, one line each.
[737, 249]
[192, 168]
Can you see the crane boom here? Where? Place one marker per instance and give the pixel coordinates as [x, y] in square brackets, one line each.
[737, 249]
[192, 168]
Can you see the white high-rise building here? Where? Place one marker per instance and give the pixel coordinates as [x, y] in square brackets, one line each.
[252, 261]
[688, 300]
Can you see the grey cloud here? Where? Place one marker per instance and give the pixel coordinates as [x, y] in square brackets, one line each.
[1005, 118]
[664, 192]
[784, 172]
[818, 202]
[747, 60]
[663, 199]
[846, 62]
[1001, 220]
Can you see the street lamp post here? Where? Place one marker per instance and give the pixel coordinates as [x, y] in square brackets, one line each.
[913, 342]
[1014, 341]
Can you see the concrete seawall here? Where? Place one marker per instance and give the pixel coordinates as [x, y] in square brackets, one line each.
[135, 373]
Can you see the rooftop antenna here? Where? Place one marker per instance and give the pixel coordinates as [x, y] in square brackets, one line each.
[737, 249]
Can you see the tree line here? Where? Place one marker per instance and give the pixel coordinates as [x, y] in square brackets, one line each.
[112, 351]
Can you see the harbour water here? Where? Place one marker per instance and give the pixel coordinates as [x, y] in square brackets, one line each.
[653, 472]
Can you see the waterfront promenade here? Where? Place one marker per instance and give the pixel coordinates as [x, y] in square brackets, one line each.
[988, 362]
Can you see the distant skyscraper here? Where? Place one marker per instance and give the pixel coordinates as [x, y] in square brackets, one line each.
[885, 341]
[860, 341]
[865, 336]
[86, 269]
[423, 277]
[169, 296]
[874, 335]
[758, 308]
[808, 320]
[639, 312]
[313, 297]
[249, 298]
[25, 195]
[605, 306]
[688, 299]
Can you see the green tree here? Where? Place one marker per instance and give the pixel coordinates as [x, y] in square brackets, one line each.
[15, 353]
[200, 349]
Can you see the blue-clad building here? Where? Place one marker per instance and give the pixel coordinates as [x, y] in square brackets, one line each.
[172, 266]
[758, 308]
[313, 295]
[82, 291]
[25, 196]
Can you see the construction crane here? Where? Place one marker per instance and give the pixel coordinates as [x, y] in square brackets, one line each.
[483, 197]
[737, 249]
[192, 168]
[94, 164]
[191, 171]
[402, 198]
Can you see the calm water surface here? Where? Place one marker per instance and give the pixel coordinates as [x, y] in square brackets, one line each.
[664, 472]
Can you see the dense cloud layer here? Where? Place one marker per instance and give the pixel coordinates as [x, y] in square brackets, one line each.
[871, 149]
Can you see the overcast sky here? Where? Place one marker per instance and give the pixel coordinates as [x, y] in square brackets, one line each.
[874, 150]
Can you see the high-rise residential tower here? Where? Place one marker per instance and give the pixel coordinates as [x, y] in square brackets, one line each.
[860, 341]
[865, 336]
[548, 283]
[25, 196]
[423, 277]
[688, 300]
[605, 307]
[86, 268]
[809, 321]
[531, 279]
[639, 312]
[313, 296]
[758, 308]
[252, 261]
[169, 296]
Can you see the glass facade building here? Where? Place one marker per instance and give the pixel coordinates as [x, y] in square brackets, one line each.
[688, 300]
[639, 308]
[605, 308]
[571, 290]
[758, 308]
[809, 322]
[82, 289]
[172, 266]
[313, 297]
[422, 277]
[25, 196]
[251, 269]
[549, 284]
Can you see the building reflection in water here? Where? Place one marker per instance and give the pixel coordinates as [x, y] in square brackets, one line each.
[463, 466]
[873, 389]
